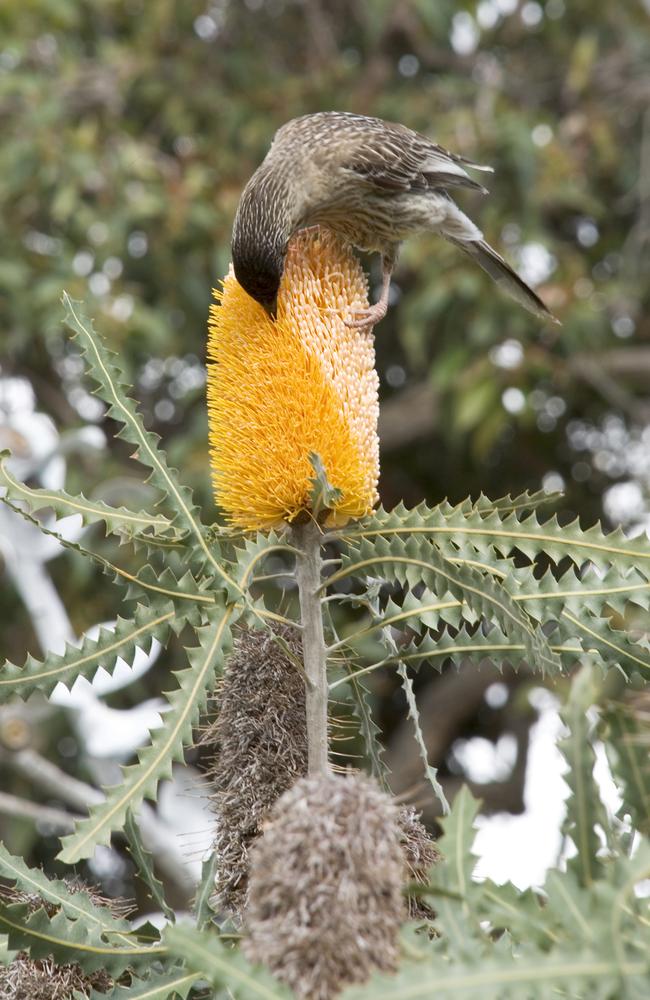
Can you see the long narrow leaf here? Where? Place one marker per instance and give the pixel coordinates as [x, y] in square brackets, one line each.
[84, 660]
[111, 386]
[584, 806]
[144, 864]
[70, 940]
[118, 520]
[76, 905]
[163, 986]
[202, 952]
[167, 744]
[453, 526]
[430, 772]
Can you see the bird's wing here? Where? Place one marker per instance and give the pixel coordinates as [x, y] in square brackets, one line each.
[395, 158]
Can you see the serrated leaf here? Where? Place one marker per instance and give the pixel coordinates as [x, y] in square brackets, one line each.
[112, 388]
[476, 643]
[613, 646]
[147, 581]
[455, 918]
[369, 730]
[430, 772]
[521, 913]
[144, 864]
[203, 953]
[167, 744]
[205, 891]
[522, 976]
[148, 623]
[522, 502]
[410, 562]
[76, 905]
[584, 806]
[118, 520]
[69, 940]
[570, 907]
[579, 590]
[156, 986]
[627, 742]
[493, 532]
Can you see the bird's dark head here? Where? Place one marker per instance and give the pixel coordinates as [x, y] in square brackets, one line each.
[259, 272]
[263, 226]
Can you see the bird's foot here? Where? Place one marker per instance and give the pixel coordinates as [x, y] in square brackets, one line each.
[368, 317]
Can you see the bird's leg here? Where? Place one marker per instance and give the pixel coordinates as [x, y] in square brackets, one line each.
[373, 314]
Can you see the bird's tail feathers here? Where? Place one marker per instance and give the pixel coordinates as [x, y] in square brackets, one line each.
[475, 166]
[445, 179]
[504, 276]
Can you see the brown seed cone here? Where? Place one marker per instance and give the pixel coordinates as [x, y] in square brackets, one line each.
[260, 748]
[420, 854]
[43, 979]
[325, 887]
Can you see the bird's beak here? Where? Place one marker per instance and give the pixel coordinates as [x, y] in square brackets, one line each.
[271, 308]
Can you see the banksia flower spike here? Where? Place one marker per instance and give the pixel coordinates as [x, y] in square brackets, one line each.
[325, 892]
[283, 391]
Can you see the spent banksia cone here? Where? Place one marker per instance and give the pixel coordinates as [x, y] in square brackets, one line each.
[420, 854]
[325, 886]
[302, 385]
[259, 746]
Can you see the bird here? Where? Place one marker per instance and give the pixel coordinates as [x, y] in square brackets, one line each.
[373, 183]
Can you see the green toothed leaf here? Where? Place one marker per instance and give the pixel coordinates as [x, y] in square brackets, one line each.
[205, 891]
[167, 743]
[453, 890]
[144, 864]
[506, 977]
[411, 561]
[369, 730]
[628, 749]
[147, 624]
[77, 905]
[69, 940]
[613, 646]
[584, 806]
[111, 386]
[452, 527]
[203, 953]
[156, 986]
[118, 520]
[430, 772]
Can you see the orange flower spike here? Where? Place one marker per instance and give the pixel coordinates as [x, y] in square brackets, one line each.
[306, 383]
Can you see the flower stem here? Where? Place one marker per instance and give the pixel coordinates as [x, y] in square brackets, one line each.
[307, 538]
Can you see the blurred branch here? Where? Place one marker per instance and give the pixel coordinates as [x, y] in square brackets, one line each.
[448, 707]
[55, 782]
[33, 584]
[594, 372]
[50, 778]
[415, 412]
[11, 805]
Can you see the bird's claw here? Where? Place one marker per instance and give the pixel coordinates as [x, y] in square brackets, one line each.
[367, 317]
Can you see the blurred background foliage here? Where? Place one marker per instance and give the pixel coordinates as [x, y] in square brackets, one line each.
[129, 128]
